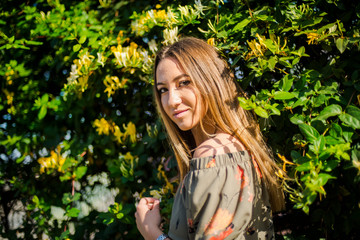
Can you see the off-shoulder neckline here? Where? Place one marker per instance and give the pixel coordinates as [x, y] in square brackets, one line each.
[220, 155]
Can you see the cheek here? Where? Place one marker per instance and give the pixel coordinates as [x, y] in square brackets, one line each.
[164, 104]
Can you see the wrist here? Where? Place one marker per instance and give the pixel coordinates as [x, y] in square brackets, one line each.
[153, 234]
[163, 236]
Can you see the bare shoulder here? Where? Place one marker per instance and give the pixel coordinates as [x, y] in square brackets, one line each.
[220, 144]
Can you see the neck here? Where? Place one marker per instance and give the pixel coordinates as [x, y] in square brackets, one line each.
[200, 135]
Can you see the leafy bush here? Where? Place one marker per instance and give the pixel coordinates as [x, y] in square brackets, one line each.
[78, 119]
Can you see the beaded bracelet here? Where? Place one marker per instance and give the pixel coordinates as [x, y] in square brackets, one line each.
[162, 237]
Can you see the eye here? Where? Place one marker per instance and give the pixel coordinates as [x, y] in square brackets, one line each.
[162, 90]
[184, 83]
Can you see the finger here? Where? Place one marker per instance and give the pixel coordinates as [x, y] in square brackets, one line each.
[156, 205]
[150, 206]
[150, 199]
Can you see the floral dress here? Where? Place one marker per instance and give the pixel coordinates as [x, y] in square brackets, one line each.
[222, 197]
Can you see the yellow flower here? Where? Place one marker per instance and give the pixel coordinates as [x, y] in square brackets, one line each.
[112, 84]
[170, 36]
[129, 157]
[9, 75]
[9, 96]
[54, 161]
[118, 134]
[257, 48]
[285, 161]
[130, 130]
[102, 126]
[312, 38]
[211, 41]
[83, 82]
[127, 56]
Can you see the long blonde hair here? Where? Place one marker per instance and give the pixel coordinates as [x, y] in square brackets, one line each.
[218, 90]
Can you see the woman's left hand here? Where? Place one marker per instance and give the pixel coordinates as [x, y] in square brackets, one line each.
[148, 218]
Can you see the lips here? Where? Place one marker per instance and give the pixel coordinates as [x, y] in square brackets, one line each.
[179, 113]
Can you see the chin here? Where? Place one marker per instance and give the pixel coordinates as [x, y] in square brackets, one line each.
[184, 128]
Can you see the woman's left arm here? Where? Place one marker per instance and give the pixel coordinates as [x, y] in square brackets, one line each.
[148, 218]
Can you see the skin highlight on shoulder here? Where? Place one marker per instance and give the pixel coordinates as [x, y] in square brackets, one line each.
[221, 143]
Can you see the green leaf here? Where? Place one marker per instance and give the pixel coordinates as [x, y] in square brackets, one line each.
[270, 45]
[35, 200]
[300, 102]
[33, 42]
[304, 167]
[341, 44]
[76, 47]
[283, 95]
[317, 86]
[272, 62]
[328, 166]
[354, 112]
[286, 83]
[274, 110]
[240, 26]
[319, 144]
[73, 212]
[244, 103]
[107, 217]
[80, 172]
[261, 112]
[68, 198]
[329, 111]
[297, 119]
[45, 99]
[310, 133]
[323, 178]
[350, 120]
[82, 39]
[42, 112]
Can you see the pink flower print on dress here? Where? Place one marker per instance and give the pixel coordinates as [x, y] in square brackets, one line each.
[219, 222]
[211, 163]
[225, 233]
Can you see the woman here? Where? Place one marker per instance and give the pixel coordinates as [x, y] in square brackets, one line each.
[226, 170]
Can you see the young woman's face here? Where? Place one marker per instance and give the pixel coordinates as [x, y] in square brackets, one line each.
[179, 96]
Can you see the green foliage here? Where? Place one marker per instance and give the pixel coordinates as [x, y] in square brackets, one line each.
[77, 112]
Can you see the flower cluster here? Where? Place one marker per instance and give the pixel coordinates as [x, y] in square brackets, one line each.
[313, 38]
[112, 83]
[9, 101]
[142, 23]
[128, 57]
[170, 35]
[104, 127]
[80, 71]
[82, 68]
[9, 75]
[167, 189]
[257, 48]
[54, 162]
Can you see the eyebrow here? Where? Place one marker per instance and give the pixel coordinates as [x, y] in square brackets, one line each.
[175, 79]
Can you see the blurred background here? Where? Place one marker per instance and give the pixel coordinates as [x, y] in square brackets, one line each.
[80, 141]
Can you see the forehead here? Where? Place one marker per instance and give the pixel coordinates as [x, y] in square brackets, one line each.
[168, 69]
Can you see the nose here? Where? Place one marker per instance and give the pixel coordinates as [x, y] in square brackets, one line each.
[174, 98]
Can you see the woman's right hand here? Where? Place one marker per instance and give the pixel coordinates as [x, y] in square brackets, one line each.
[148, 218]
